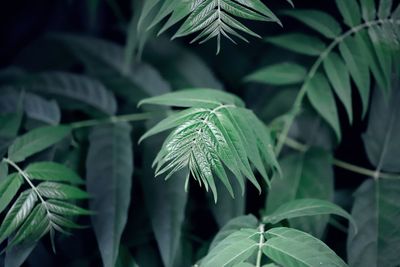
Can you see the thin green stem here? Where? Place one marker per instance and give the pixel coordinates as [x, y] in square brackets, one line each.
[313, 70]
[260, 245]
[25, 176]
[113, 119]
[342, 164]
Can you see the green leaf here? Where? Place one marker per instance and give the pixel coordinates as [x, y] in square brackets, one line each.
[76, 88]
[201, 98]
[16, 255]
[10, 124]
[317, 20]
[290, 247]
[109, 168]
[368, 9]
[60, 191]
[168, 195]
[52, 171]
[339, 78]
[125, 258]
[64, 208]
[234, 225]
[17, 214]
[306, 207]
[207, 140]
[8, 189]
[3, 172]
[279, 74]
[42, 110]
[321, 97]
[235, 248]
[376, 213]
[299, 43]
[36, 141]
[385, 6]
[357, 65]
[381, 140]
[350, 11]
[308, 175]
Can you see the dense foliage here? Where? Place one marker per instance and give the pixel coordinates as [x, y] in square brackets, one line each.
[106, 148]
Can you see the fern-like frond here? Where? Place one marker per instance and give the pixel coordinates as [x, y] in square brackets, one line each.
[42, 209]
[368, 49]
[207, 18]
[213, 132]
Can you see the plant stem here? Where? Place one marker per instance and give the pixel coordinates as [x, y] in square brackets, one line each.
[260, 245]
[303, 90]
[113, 119]
[25, 176]
[342, 164]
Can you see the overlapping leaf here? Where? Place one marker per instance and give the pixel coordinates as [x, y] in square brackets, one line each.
[371, 44]
[214, 131]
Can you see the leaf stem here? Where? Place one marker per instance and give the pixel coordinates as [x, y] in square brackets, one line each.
[303, 90]
[342, 164]
[113, 119]
[25, 176]
[260, 245]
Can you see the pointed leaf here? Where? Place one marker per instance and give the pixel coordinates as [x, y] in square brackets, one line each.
[279, 74]
[357, 65]
[201, 98]
[339, 78]
[290, 247]
[52, 171]
[317, 20]
[8, 189]
[299, 43]
[109, 168]
[60, 191]
[321, 97]
[306, 207]
[350, 11]
[36, 141]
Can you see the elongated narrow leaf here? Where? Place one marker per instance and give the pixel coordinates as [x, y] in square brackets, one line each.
[8, 189]
[235, 248]
[109, 168]
[368, 9]
[306, 207]
[350, 11]
[51, 171]
[381, 140]
[3, 171]
[308, 175]
[375, 211]
[339, 78]
[80, 89]
[202, 98]
[357, 65]
[171, 197]
[385, 7]
[290, 247]
[279, 74]
[17, 214]
[321, 97]
[60, 191]
[299, 43]
[36, 141]
[318, 20]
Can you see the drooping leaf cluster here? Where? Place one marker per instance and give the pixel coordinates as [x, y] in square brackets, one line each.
[215, 132]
